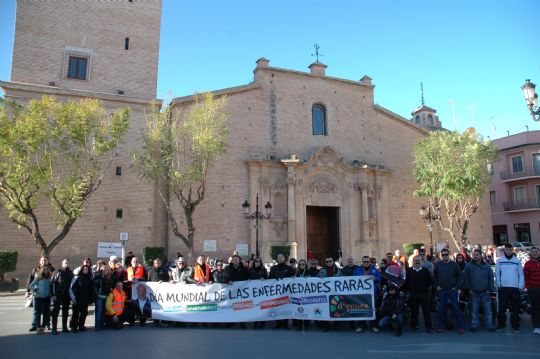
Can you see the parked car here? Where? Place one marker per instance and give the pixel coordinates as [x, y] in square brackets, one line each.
[523, 246]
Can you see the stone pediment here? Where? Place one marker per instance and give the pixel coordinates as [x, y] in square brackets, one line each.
[328, 157]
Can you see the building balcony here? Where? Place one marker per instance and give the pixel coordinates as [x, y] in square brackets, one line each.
[507, 176]
[521, 207]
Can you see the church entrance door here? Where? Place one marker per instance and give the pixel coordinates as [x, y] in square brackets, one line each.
[323, 231]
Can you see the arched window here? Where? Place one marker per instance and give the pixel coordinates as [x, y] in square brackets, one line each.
[417, 119]
[318, 119]
[430, 120]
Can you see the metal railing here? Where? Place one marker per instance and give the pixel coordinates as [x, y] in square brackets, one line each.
[511, 206]
[528, 171]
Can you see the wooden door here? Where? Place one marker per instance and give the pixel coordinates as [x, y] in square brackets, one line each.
[322, 231]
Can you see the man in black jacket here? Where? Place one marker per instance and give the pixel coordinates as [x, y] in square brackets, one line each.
[60, 296]
[447, 278]
[418, 281]
[158, 273]
[236, 271]
[279, 271]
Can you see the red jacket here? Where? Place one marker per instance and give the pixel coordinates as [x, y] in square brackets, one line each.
[531, 269]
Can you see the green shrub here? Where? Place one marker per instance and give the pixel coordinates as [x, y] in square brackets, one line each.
[151, 253]
[410, 247]
[8, 262]
[284, 249]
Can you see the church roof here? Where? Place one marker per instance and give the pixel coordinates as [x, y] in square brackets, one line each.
[423, 108]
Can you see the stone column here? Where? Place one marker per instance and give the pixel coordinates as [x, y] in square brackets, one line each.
[364, 187]
[291, 163]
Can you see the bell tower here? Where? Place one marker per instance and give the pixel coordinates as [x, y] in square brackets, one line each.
[106, 47]
[425, 116]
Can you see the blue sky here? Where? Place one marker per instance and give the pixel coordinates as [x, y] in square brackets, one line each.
[477, 52]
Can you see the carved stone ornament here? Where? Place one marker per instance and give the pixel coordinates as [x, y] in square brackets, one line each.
[280, 182]
[322, 184]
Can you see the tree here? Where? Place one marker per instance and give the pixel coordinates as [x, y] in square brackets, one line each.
[177, 153]
[54, 152]
[452, 172]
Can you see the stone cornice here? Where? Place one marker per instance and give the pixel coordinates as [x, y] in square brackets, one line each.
[53, 90]
[307, 74]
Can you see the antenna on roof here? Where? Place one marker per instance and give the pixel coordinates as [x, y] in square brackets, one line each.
[422, 91]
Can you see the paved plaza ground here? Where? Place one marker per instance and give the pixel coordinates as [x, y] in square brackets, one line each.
[205, 342]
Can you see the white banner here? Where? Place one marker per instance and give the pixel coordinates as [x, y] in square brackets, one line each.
[338, 298]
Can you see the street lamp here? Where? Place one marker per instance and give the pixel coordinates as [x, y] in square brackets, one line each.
[425, 213]
[531, 97]
[256, 216]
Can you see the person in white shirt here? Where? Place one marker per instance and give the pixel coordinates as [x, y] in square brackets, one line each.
[509, 280]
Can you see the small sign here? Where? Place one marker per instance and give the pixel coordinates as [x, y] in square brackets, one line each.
[209, 245]
[242, 249]
[123, 236]
[107, 249]
[440, 246]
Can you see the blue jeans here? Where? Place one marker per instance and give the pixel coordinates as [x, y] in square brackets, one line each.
[99, 314]
[484, 299]
[444, 296]
[385, 321]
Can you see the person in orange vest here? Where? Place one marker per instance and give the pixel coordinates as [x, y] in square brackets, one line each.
[400, 258]
[136, 272]
[202, 273]
[116, 310]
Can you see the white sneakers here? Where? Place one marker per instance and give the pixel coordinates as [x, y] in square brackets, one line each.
[536, 331]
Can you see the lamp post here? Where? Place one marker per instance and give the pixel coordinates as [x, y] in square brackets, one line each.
[531, 97]
[425, 213]
[256, 216]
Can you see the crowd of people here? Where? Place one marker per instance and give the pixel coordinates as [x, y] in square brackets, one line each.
[402, 287]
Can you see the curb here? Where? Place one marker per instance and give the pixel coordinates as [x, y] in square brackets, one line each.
[20, 292]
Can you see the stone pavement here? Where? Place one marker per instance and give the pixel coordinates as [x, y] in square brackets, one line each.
[205, 342]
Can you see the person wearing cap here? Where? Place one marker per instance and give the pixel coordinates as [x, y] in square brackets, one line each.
[509, 279]
[418, 281]
[182, 273]
[112, 262]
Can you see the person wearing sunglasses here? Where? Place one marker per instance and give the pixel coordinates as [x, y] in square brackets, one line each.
[366, 269]
[314, 268]
[329, 269]
[447, 279]
[182, 273]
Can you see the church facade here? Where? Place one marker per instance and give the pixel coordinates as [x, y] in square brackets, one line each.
[336, 168]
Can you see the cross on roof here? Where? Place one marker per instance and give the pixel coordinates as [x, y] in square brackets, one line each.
[317, 47]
